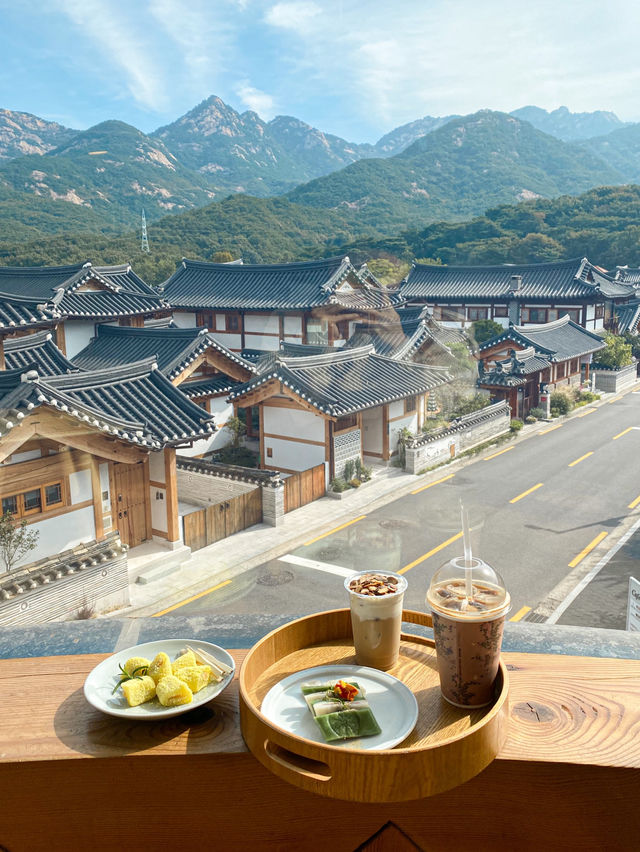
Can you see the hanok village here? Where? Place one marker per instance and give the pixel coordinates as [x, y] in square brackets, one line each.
[139, 425]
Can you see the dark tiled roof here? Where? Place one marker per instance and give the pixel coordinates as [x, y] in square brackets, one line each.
[136, 403]
[513, 371]
[559, 340]
[20, 313]
[341, 382]
[173, 348]
[402, 339]
[211, 386]
[37, 351]
[628, 274]
[628, 317]
[102, 303]
[569, 279]
[276, 286]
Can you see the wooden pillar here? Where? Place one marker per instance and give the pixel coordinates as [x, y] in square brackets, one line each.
[359, 419]
[147, 500]
[385, 432]
[241, 324]
[329, 440]
[96, 493]
[2, 367]
[261, 421]
[61, 342]
[171, 481]
[281, 326]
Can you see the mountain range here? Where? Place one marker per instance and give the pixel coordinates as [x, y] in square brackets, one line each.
[54, 180]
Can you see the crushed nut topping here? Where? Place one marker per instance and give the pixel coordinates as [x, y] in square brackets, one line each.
[374, 584]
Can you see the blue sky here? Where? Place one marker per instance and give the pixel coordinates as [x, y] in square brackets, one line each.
[356, 68]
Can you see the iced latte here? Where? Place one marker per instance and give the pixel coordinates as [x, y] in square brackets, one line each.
[376, 617]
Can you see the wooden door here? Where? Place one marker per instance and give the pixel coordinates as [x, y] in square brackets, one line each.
[129, 503]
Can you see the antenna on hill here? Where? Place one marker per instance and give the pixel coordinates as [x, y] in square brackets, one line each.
[145, 240]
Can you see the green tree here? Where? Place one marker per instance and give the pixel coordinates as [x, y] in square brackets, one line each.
[16, 540]
[222, 257]
[237, 429]
[616, 354]
[485, 329]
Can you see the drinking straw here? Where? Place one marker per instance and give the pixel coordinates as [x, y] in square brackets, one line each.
[466, 537]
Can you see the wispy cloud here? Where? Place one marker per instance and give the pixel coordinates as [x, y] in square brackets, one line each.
[298, 15]
[255, 100]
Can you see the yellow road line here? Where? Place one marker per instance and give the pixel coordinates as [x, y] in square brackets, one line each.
[633, 504]
[544, 431]
[334, 530]
[524, 493]
[582, 458]
[430, 553]
[520, 613]
[495, 455]
[611, 401]
[588, 411]
[587, 549]
[431, 484]
[192, 598]
[620, 434]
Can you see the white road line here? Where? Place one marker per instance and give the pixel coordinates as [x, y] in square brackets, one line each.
[319, 566]
[573, 594]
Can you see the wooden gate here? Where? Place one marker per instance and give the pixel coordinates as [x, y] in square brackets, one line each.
[304, 487]
[220, 520]
[130, 517]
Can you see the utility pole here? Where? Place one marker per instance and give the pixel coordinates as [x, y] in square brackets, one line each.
[145, 241]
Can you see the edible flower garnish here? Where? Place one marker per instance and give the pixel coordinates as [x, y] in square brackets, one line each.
[137, 673]
[345, 691]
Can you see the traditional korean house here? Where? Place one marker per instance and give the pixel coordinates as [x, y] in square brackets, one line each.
[516, 364]
[20, 316]
[191, 358]
[37, 351]
[627, 318]
[335, 407]
[519, 294]
[85, 295]
[86, 453]
[247, 306]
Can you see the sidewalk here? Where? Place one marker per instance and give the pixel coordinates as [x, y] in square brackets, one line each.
[228, 558]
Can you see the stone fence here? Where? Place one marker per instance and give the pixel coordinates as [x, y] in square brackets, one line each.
[462, 434]
[614, 379]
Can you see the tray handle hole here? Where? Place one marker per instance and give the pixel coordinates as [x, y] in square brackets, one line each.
[297, 763]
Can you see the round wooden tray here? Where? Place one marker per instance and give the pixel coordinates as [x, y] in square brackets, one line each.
[446, 748]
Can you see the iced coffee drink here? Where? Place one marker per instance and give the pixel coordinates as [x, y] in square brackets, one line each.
[469, 604]
[376, 617]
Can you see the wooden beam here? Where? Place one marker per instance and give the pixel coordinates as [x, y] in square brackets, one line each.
[13, 440]
[147, 499]
[2, 367]
[61, 340]
[96, 493]
[171, 479]
[385, 431]
[261, 427]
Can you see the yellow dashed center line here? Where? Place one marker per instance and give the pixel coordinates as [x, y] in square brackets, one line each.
[582, 458]
[430, 553]
[192, 598]
[620, 434]
[611, 401]
[635, 503]
[520, 613]
[588, 411]
[524, 493]
[587, 549]
[551, 428]
[495, 455]
[431, 484]
[334, 530]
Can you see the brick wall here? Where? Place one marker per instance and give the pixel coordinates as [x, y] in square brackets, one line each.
[346, 446]
[613, 381]
[201, 489]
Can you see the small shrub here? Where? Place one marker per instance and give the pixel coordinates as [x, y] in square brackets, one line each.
[434, 423]
[85, 611]
[555, 412]
[516, 425]
[363, 473]
[355, 483]
[530, 419]
[338, 485]
[349, 470]
[587, 396]
[537, 414]
[562, 402]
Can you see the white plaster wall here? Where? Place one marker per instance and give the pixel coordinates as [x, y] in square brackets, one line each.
[293, 325]
[222, 411]
[372, 430]
[293, 339]
[184, 319]
[293, 423]
[103, 470]
[156, 467]
[220, 322]
[231, 341]
[292, 454]
[158, 508]
[599, 323]
[77, 334]
[80, 486]
[258, 341]
[591, 312]
[262, 323]
[61, 533]
[396, 409]
[409, 422]
[503, 321]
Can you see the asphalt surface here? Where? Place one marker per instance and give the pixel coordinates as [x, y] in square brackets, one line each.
[541, 510]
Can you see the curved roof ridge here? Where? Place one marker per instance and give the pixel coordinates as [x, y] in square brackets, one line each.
[164, 332]
[543, 326]
[38, 338]
[503, 267]
[108, 375]
[248, 267]
[341, 354]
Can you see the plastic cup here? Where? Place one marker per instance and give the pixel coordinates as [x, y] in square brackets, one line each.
[376, 620]
[469, 604]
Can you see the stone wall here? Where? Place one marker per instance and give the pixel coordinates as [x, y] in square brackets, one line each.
[612, 380]
[464, 433]
[346, 447]
[202, 489]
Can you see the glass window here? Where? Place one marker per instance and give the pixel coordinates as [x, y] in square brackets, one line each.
[574, 315]
[10, 504]
[410, 403]
[599, 311]
[500, 311]
[552, 314]
[317, 332]
[53, 494]
[32, 501]
[453, 313]
[477, 313]
[232, 322]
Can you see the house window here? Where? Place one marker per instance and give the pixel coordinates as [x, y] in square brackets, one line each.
[453, 313]
[347, 422]
[206, 319]
[560, 371]
[477, 314]
[537, 315]
[317, 332]
[500, 311]
[574, 315]
[232, 322]
[599, 311]
[552, 314]
[36, 500]
[410, 404]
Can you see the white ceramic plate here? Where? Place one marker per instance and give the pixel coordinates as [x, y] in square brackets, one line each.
[392, 703]
[100, 682]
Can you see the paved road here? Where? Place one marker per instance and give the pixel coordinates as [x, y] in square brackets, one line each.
[539, 509]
